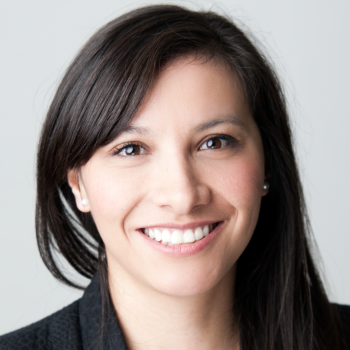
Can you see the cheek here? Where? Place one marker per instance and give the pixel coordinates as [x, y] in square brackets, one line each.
[113, 194]
[238, 190]
[240, 182]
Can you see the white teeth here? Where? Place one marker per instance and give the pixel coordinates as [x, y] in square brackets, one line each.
[157, 234]
[166, 236]
[198, 233]
[176, 237]
[205, 230]
[151, 234]
[188, 236]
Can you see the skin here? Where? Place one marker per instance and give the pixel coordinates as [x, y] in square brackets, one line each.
[166, 302]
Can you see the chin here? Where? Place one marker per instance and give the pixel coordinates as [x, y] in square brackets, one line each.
[190, 283]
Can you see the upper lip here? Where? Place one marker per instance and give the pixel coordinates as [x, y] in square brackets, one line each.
[190, 225]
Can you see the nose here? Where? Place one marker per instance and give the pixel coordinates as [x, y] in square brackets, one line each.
[178, 186]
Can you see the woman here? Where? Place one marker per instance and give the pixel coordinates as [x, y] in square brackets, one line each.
[166, 173]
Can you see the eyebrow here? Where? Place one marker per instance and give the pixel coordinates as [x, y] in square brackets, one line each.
[230, 120]
[200, 128]
[135, 130]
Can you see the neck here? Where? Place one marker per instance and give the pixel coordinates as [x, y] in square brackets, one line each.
[152, 320]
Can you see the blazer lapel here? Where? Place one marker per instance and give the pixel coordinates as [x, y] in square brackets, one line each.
[99, 331]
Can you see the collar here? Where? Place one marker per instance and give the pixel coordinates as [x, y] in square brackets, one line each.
[95, 334]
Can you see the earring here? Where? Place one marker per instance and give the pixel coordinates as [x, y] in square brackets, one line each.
[83, 202]
[266, 186]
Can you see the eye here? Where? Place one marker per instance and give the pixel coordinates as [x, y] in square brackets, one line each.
[217, 142]
[129, 150]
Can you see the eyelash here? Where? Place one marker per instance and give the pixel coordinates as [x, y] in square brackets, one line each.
[120, 148]
[232, 142]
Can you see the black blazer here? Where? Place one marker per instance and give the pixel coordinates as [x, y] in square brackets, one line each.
[77, 327]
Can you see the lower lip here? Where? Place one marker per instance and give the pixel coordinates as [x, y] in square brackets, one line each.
[182, 250]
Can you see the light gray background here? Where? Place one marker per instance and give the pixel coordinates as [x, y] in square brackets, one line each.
[307, 40]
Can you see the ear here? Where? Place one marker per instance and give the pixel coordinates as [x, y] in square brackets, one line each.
[77, 186]
[266, 186]
[265, 190]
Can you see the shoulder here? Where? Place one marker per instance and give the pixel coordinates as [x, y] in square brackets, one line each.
[60, 330]
[344, 313]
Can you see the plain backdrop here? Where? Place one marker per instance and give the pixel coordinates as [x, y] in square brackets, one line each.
[307, 40]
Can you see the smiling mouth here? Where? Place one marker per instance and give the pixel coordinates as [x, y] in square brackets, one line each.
[170, 236]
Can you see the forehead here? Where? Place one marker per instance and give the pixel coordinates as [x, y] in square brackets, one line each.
[190, 92]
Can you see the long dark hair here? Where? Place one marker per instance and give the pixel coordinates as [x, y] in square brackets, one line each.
[279, 298]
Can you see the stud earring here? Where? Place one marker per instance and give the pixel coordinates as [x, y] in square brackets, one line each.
[83, 202]
[266, 185]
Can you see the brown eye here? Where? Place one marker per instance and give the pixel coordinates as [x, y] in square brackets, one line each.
[219, 142]
[130, 150]
[133, 150]
[213, 143]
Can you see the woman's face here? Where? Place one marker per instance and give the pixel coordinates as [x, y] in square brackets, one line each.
[191, 160]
